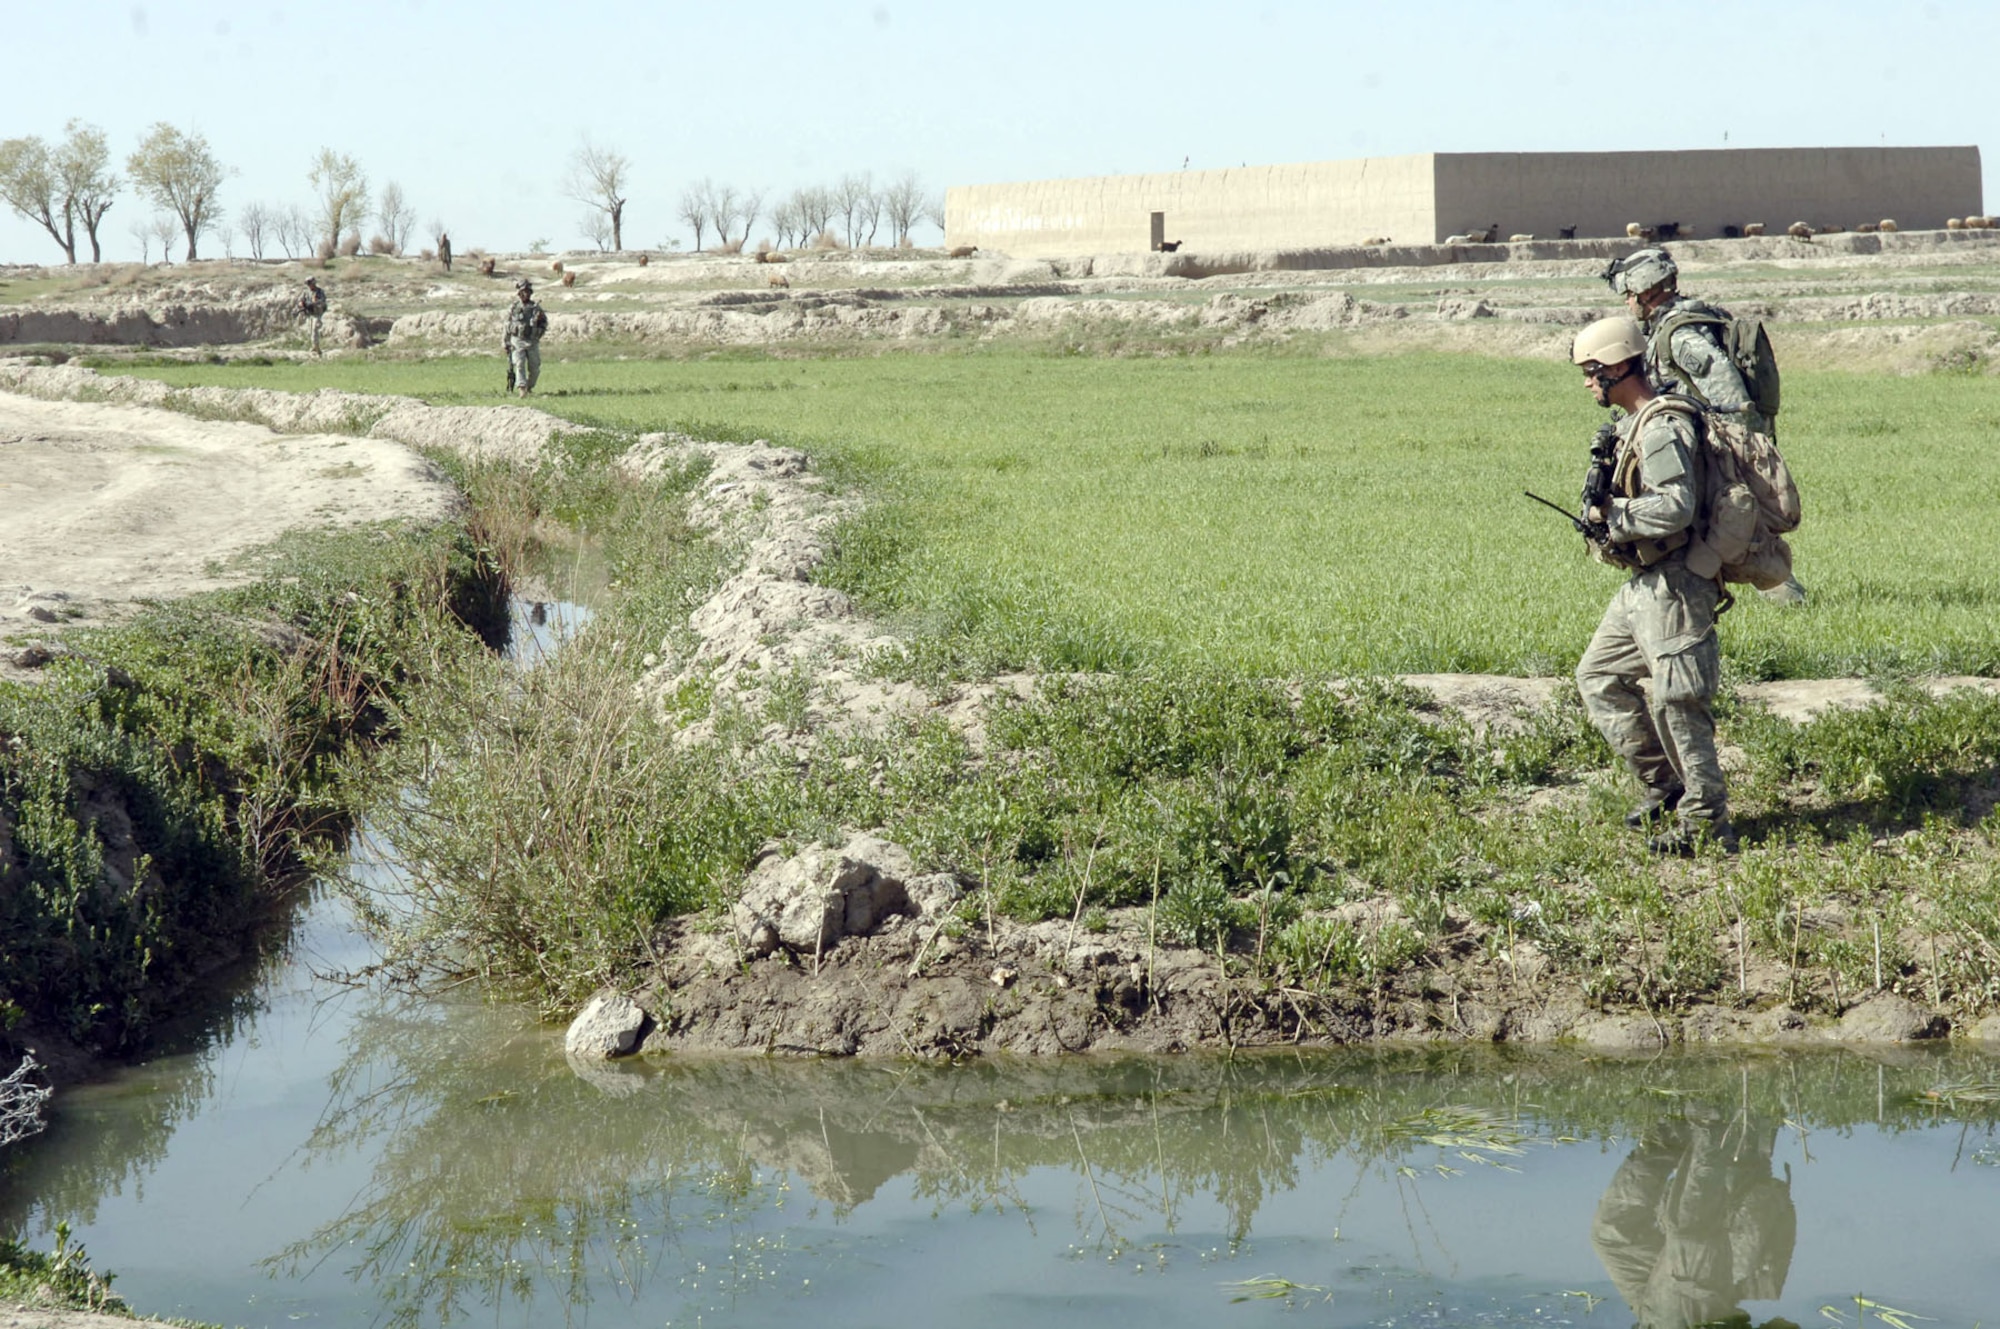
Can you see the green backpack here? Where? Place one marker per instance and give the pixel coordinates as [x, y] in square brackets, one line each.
[1743, 340]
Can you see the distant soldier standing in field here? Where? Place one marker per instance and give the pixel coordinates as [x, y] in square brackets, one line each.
[523, 344]
[1687, 351]
[312, 306]
[1661, 624]
[444, 250]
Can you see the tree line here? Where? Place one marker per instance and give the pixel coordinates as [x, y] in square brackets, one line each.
[69, 185]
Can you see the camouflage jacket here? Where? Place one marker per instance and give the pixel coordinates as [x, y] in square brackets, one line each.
[1656, 480]
[1692, 360]
[526, 322]
[312, 303]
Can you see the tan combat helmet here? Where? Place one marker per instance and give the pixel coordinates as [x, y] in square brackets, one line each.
[1609, 341]
[1641, 271]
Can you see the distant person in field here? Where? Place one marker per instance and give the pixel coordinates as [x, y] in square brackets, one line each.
[1661, 623]
[1687, 351]
[312, 307]
[525, 325]
[444, 250]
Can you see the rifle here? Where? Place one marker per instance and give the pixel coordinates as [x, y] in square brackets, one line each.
[1595, 531]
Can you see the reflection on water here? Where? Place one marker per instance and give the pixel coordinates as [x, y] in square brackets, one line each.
[315, 1153]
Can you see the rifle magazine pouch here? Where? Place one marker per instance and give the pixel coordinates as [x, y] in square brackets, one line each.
[1702, 560]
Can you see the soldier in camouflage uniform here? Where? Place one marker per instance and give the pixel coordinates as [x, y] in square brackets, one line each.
[1687, 356]
[523, 343]
[1661, 624]
[312, 306]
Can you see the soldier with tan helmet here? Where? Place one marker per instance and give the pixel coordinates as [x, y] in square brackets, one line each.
[1687, 350]
[1661, 623]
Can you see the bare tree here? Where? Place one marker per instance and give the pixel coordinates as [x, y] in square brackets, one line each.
[295, 232]
[694, 209]
[934, 211]
[725, 208]
[786, 219]
[903, 204]
[752, 208]
[397, 218]
[28, 184]
[854, 197]
[257, 221]
[817, 206]
[21, 1102]
[176, 171]
[342, 187]
[164, 226]
[596, 179]
[83, 166]
[141, 229]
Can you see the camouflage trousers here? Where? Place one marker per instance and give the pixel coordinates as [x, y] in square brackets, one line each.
[315, 320]
[1660, 625]
[527, 358]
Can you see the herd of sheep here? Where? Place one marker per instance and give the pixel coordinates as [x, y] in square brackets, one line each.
[1486, 235]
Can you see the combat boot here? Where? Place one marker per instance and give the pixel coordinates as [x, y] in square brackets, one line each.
[1690, 833]
[1655, 805]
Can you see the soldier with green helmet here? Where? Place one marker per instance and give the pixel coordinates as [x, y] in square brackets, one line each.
[523, 341]
[1661, 623]
[1686, 351]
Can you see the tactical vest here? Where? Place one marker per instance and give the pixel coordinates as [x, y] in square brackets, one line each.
[1627, 483]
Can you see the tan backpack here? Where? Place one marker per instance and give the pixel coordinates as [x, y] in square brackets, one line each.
[1750, 500]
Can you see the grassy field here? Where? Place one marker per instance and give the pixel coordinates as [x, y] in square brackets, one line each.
[1290, 514]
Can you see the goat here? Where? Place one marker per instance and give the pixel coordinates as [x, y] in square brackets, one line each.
[778, 281]
[1566, 233]
[1520, 237]
[1731, 231]
[1864, 228]
[569, 279]
[963, 251]
[1666, 230]
[1887, 225]
[1753, 228]
[1799, 231]
[486, 267]
[1170, 246]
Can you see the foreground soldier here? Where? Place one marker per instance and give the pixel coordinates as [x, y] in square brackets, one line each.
[1685, 353]
[312, 306]
[1661, 624]
[523, 343]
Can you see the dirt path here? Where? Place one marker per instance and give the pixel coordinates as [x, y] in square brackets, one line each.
[103, 505]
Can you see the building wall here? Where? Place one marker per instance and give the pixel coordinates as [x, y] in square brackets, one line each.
[1599, 193]
[1423, 199]
[1251, 207]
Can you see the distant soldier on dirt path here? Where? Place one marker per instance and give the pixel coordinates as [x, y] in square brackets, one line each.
[312, 306]
[444, 250]
[525, 325]
[1685, 351]
[1661, 624]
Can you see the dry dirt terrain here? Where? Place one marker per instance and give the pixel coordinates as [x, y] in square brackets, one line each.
[104, 505]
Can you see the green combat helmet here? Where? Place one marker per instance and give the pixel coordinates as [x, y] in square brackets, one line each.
[1642, 271]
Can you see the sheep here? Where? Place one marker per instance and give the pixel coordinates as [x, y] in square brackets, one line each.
[778, 281]
[1799, 231]
[1982, 223]
[644, 259]
[1376, 240]
[1753, 228]
[1520, 237]
[1666, 230]
[1633, 231]
[556, 267]
[963, 251]
[1887, 226]
[1170, 246]
[1865, 228]
[1566, 233]
[486, 267]
[1458, 239]
[569, 279]
[1954, 223]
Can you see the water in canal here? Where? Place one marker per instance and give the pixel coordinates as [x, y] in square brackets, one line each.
[345, 1157]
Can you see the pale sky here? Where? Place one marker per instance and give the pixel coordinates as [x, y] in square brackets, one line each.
[474, 109]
